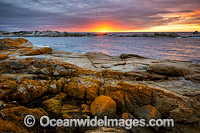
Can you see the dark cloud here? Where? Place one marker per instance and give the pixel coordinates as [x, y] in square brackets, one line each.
[61, 14]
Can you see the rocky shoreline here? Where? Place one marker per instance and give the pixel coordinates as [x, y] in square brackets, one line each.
[41, 81]
[49, 33]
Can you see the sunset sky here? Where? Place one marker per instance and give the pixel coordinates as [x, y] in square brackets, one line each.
[100, 15]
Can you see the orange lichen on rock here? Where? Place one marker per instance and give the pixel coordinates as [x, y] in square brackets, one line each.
[33, 52]
[103, 106]
[7, 126]
[30, 89]
[8, 84]
[118, 96]
[57, 86]
[6, 87]
[86, 108]
[52, 105]
[8, 43]
[75, 89]
[147, 112]
[110, 74]
[153, 111]
[92, 91]
[60, 96]
[127, 116]
[46, 50]
[139, 92]
[70, 111]
[22, 40]
[16, 115]
[3, 56]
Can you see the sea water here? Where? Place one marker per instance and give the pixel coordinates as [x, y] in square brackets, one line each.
[184, 49]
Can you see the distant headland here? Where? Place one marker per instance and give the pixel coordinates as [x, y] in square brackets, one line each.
[49, 33]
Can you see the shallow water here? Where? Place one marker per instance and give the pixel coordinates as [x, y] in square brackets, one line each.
[185, 49]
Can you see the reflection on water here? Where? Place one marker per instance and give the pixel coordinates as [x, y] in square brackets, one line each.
[186, 49]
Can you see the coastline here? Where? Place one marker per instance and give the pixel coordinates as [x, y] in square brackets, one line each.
[49, 33]
[43, 81]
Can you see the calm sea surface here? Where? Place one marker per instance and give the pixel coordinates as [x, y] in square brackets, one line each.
[185, 49]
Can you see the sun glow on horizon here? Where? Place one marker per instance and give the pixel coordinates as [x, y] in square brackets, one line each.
[180, 22]
[105, 27]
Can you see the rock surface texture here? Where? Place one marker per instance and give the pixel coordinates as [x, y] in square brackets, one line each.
[61, 85]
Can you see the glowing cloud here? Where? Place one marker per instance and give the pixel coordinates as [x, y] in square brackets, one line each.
[106, 26]
[100, 15]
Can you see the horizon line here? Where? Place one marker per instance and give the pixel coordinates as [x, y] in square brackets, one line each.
[97, 31]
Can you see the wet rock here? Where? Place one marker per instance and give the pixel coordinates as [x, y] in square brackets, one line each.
[124, 56]
[103, 106]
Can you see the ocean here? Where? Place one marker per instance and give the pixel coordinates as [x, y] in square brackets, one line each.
[184, 49]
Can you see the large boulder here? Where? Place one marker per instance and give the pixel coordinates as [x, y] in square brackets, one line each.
[103, 106]
[168, 69]
[8, 43]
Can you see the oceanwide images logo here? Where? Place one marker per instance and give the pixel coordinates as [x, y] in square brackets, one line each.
[45, 121]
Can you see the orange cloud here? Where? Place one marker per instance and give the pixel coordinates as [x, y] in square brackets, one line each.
[106, 26]
[178, 22]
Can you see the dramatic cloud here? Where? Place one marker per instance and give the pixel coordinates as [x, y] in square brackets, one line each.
[79, 15]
